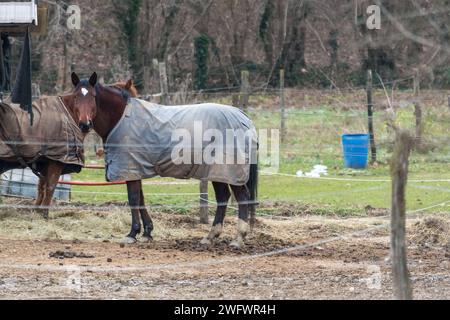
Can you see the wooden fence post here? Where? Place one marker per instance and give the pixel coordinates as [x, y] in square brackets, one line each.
[245, 90]
[147, 79]
[235, 100]
[416, 84]
[65, 80]
[164, 83]
[418, 112]
[282, 107]
[399, 173]
[373, 147]
[204, 215]
[36, 91]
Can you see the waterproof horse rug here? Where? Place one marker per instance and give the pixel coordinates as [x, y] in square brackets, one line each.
[53, 135]
[206, 141]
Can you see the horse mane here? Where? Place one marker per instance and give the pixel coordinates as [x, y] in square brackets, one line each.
[122, 85]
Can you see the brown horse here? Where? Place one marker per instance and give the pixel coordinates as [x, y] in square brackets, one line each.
[49, 174]
[101, 108]
[128, 86]
[50, 171]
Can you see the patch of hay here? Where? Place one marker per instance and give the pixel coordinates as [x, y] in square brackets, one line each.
[64, 225]
[91, 225]
[431, 231]
[7, 213]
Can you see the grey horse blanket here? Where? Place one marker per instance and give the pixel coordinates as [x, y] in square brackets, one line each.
[53, 135]
[206, 141]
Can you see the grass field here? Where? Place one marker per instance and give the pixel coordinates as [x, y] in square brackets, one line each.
[313, 137]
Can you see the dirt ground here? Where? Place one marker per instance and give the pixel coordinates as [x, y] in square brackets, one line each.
[70, 261]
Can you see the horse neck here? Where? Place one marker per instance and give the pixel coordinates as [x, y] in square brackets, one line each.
[69, 102]
[110, 108]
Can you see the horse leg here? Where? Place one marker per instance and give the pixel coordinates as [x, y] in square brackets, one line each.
[54, 171]
[134, 196]
[41, 190]
[223, 195]
[242, 196]
[146, 219]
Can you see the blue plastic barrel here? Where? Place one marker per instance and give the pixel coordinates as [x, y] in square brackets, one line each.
[356, 150]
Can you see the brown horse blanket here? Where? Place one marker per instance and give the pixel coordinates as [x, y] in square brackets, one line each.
[206, 141]
[53, 135]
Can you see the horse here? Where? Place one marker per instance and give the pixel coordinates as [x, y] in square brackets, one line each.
[49, 171]
[100, 108]
[127, 86]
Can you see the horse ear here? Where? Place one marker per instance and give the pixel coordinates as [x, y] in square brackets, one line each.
[93, 79]
[75, 79]
[129, 84]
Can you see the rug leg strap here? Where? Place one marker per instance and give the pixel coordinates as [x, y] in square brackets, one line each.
[32, 164]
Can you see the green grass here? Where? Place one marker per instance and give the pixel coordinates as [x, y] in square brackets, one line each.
[314, 138]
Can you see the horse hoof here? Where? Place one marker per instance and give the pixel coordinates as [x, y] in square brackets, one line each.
[146, 239]
[236, 244]
[206, 242]
[129, 240]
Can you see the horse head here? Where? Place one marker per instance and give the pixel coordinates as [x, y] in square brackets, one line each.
[90, 98]
[127, 86]
[84, 107]
[98, 107]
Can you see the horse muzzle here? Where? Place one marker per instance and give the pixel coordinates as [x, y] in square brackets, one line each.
[86, 127]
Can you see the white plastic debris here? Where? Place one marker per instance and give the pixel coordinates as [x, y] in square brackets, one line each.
[321, 170]
[317, 172]
[312, 174]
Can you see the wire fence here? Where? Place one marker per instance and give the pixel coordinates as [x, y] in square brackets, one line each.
[313, 136]
[190, 201]
[313, 132]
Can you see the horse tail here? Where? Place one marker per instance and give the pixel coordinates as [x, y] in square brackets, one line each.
[252, 186]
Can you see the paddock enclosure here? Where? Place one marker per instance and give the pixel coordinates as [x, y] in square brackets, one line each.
[315, 238]
[351, 105]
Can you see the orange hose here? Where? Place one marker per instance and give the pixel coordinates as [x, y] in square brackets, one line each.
[95, 167]
[91, 184]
